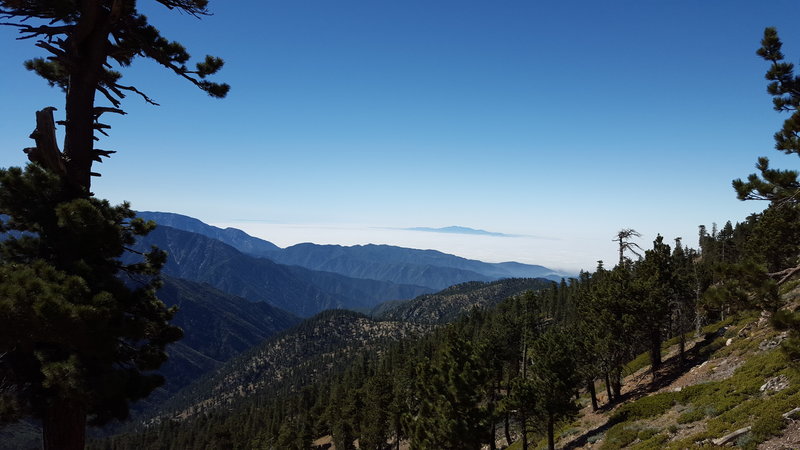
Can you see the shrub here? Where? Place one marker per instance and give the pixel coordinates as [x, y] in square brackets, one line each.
[645, 407]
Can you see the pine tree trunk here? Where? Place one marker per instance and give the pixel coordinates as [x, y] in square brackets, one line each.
[498, 380]
[551, 444]
[608, 389]
[64, 426]
[616, 383]
[682, 349]
[397, 432]
[507, 424]
[592, 395]
[523, 425]
[507, 427]
[655, 350]
[88, 55]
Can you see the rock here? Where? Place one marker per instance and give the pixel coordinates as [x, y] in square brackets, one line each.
[730, 437]
[677, 389]
[728, 342]
[776, 384]
[763, 320]
[772, 343]
[789, 414]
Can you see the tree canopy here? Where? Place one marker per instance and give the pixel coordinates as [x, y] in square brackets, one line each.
[81, 332]
[776, 185]
[88, 43]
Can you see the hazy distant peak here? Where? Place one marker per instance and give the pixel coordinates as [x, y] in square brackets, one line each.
[459, 230]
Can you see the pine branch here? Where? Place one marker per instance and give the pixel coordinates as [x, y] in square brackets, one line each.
[114, 101]
[116, 87]
[100, 110]
[34, 31]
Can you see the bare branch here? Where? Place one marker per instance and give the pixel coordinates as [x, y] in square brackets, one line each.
[97, 154]
[114, 101]
[786, 274]
[137, 91]
[100, 110]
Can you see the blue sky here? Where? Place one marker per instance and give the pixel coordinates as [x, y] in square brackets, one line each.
[561, 122]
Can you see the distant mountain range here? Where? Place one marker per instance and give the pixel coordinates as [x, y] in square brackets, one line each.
[427, 268]
[459, 230]
[301, 291]
[234, 237]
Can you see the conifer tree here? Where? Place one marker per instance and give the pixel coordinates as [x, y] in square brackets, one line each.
[80, 332]
[375, 429]
[452, 414]
[87, 42]
[683, 294]
[554, 376]
[97, 329]
[654, 286]
[775, 185]
[611, 314]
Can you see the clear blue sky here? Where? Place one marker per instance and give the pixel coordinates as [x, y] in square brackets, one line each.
[561, 120]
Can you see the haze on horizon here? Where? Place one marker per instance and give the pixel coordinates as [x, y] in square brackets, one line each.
[560, 123]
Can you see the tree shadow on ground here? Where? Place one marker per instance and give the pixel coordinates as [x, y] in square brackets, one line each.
[671, 369]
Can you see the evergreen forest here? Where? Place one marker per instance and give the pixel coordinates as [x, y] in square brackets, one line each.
[87, 339]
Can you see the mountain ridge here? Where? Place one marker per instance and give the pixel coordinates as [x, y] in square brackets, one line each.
[419, 267]
[301, 291]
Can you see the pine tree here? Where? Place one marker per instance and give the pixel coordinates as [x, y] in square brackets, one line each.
[452, 414]
[80, 332]
[375, 428]
[554, 377]
[654, 288]
[96, 338]
[774, 185]
[86, 40]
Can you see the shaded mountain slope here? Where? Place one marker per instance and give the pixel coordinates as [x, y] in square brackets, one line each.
[300, 291]
[220, 325]
[216, 327]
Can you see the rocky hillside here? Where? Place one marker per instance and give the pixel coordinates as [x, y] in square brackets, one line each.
[735, 388]
[295, 358]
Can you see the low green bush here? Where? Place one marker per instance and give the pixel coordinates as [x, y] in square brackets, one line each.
[645, 407]
[692, 415]
[767, 426]
[619, 436]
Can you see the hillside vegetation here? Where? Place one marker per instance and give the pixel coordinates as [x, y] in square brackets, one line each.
[447, 305]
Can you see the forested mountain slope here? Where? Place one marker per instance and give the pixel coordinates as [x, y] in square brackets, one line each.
[314, 349]
[216, 327]
[448, 304]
